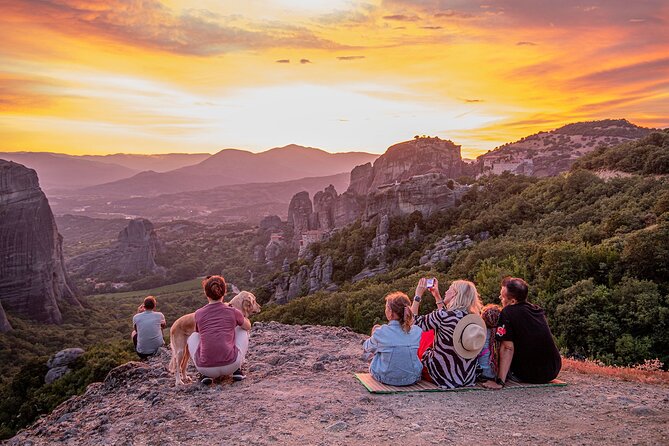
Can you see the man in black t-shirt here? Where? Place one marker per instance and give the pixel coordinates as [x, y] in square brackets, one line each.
[527, 348]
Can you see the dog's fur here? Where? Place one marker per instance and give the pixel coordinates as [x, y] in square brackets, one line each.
[185, 326]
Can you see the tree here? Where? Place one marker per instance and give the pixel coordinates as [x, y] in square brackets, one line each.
[646, 253]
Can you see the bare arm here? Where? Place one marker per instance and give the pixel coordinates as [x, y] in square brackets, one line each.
[420, 289]
[505, 358]
[246, 325]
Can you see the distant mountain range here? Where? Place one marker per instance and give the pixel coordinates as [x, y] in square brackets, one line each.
[232, 166]
[57, 171]
[157, 163]
[121, 176]
[232, 203]
[124, 175]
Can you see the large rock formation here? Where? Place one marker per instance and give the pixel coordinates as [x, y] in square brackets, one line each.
[274, 250]
[361, 178]
[380, 242]
[444, 249]
[139, 245]
[33, 281]
[271, 223]
[59, 364]
[411, 176]
[428, 193]
[307, 280]
[132, 256]
[300, 214]
[348, 207]
[324, 207]
[407, 159]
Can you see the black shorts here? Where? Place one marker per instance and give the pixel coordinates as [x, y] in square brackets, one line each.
[141, 355]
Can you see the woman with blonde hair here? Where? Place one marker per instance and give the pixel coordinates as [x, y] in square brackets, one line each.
[459, 333]
[394, 346]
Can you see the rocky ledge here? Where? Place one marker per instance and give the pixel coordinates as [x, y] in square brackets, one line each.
[301, 390]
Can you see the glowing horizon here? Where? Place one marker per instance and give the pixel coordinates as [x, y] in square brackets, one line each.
[149, 77]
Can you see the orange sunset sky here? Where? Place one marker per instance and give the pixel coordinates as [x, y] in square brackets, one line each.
[149, 76]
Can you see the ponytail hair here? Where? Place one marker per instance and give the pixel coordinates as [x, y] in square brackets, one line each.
[214, 287]
[399, 303]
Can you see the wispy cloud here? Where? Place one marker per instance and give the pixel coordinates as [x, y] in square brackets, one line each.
[539, 13]
[450, 13]
[151, 24]
[26, 91]
[632, 74]
[402, 18]
[350, 57]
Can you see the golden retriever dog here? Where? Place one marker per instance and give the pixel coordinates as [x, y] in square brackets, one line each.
[185, 325]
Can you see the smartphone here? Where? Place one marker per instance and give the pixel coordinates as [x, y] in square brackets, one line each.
[430, 283]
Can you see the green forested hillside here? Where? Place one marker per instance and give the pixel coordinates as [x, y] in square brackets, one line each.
[102, 328]
[595, 252]
[650, 155]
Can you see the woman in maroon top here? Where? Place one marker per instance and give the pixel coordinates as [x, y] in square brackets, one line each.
[221, 338]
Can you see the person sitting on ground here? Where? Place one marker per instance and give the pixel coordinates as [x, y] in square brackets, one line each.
[527, 351]
[459, 333]
[148, 329]
[488, 359]
[394, 346]
[221, 338]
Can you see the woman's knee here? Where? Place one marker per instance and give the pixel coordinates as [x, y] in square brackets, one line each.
[241, 337]
[193, 342]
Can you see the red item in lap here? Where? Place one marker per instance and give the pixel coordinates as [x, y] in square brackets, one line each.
[426, 341]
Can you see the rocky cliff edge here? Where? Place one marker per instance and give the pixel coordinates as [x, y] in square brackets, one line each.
[300, 389]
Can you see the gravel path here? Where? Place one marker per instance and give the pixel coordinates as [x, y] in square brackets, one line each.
[300, 390]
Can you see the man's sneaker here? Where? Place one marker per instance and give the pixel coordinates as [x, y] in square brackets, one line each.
[206, 381]
[238, 376]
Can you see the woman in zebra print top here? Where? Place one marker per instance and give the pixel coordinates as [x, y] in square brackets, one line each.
[445, 367]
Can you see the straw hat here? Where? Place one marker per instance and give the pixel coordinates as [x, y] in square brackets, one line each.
[469, 336]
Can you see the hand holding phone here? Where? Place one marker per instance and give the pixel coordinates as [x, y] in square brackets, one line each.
[430, 283]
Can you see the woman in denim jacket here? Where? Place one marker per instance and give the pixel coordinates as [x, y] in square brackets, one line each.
[394, 346]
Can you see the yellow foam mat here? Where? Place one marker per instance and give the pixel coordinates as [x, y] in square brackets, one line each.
[424, 386]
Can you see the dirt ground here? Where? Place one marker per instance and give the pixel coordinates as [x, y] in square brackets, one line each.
[300, 390]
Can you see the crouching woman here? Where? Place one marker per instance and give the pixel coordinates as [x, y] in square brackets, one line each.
[394, 345]
[221, 338]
